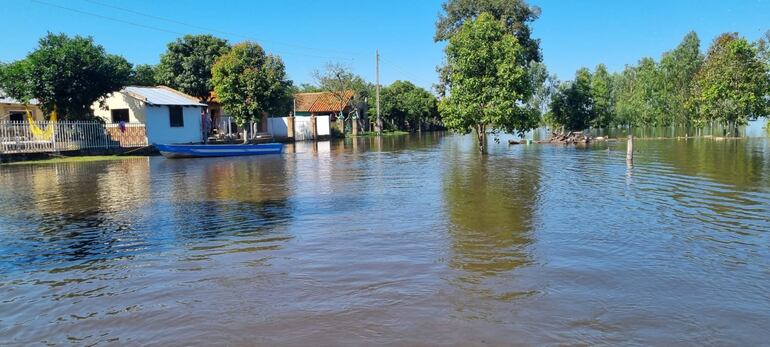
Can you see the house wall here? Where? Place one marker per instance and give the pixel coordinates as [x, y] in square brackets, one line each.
[6, 109]
[159, 129]
[155, 119]
[136, 109]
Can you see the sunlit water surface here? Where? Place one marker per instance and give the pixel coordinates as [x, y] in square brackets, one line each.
[413, 240]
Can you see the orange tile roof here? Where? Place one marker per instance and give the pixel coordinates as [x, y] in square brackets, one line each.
[303, 101]
[321, 102]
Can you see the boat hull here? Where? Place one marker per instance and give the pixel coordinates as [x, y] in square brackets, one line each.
[200, 151]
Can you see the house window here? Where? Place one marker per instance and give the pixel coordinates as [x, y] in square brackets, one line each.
[120, 115]
[175, 116]
[16, 117]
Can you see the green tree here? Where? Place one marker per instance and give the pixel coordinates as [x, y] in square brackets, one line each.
[186, 64]
[516, 16]
[249, 83]
[489, 82]
[732, 87]
[143, 75]
[544, 86]
[66, 73]
[572, 106]
[640, 97]
[406, 106]
[601, 93]
[678, 69]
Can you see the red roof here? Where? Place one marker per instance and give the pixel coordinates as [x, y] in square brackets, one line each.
[321, 102]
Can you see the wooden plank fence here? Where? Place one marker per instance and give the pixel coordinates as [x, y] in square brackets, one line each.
[19, 137]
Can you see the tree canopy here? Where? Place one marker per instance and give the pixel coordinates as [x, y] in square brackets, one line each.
[144, 75]
[406, 106]
[515, 14]
[733, 86]
[249, 82]
[489, 82]
[186, 64]
[572, 106]
[66, 73]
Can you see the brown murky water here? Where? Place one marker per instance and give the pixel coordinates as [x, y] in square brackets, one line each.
[402, 241]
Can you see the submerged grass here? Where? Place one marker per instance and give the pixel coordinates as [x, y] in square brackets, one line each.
[78, 159]
[384, 133]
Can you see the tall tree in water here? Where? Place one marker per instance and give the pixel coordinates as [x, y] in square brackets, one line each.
[66, 73]
[732, 87]
[186, 64]
[601, 92]
[516, 16]
[572, 106]
[249, 83]
[678, 68]
[489, 81]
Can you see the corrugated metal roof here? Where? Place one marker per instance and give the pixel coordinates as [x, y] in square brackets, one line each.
[4, 99]
[161, 96]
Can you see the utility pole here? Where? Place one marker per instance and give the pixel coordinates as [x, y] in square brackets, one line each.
[378, 126]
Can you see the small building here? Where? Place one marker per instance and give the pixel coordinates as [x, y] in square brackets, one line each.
[321, 104]
[169, 116]
[11, 110]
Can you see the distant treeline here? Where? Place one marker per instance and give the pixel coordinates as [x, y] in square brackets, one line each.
[729, 85]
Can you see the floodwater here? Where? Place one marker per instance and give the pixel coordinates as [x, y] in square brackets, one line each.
[399, 241]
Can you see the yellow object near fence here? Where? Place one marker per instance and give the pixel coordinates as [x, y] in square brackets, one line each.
[40, 134]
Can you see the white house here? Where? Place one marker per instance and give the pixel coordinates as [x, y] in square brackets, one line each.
[169, 116]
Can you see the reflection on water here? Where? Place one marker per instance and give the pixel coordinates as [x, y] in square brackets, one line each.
[398, 240]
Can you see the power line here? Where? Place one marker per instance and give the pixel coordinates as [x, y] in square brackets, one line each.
[283, 52]
[407, 74]
[171, 20]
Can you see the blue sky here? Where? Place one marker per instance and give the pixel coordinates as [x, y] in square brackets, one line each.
[308, 33]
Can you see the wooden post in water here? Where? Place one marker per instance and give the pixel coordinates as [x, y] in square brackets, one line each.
[630, 149]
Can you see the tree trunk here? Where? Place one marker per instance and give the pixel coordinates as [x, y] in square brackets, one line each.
[482, 137]
[246, 133]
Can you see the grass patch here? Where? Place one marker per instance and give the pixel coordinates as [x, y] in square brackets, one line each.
[384, 133]
[78, 159]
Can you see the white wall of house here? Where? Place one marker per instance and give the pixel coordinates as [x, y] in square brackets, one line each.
[155, 118]
[159, 129]
[136, 108]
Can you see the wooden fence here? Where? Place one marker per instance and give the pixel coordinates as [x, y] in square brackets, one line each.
[45, 136]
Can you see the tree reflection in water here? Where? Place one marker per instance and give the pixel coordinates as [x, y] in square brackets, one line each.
[491, 201]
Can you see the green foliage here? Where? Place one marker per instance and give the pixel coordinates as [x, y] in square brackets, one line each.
[144, 75]
[678, 69]
[186, 64]
[69, 73]
[490, 82]
[515, 14]
[544, 86]
[572, 106]
[406, 106]
[601, 93]
[249, 82]
[733, 85]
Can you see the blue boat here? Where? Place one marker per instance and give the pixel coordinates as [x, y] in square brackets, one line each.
[194, 151]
